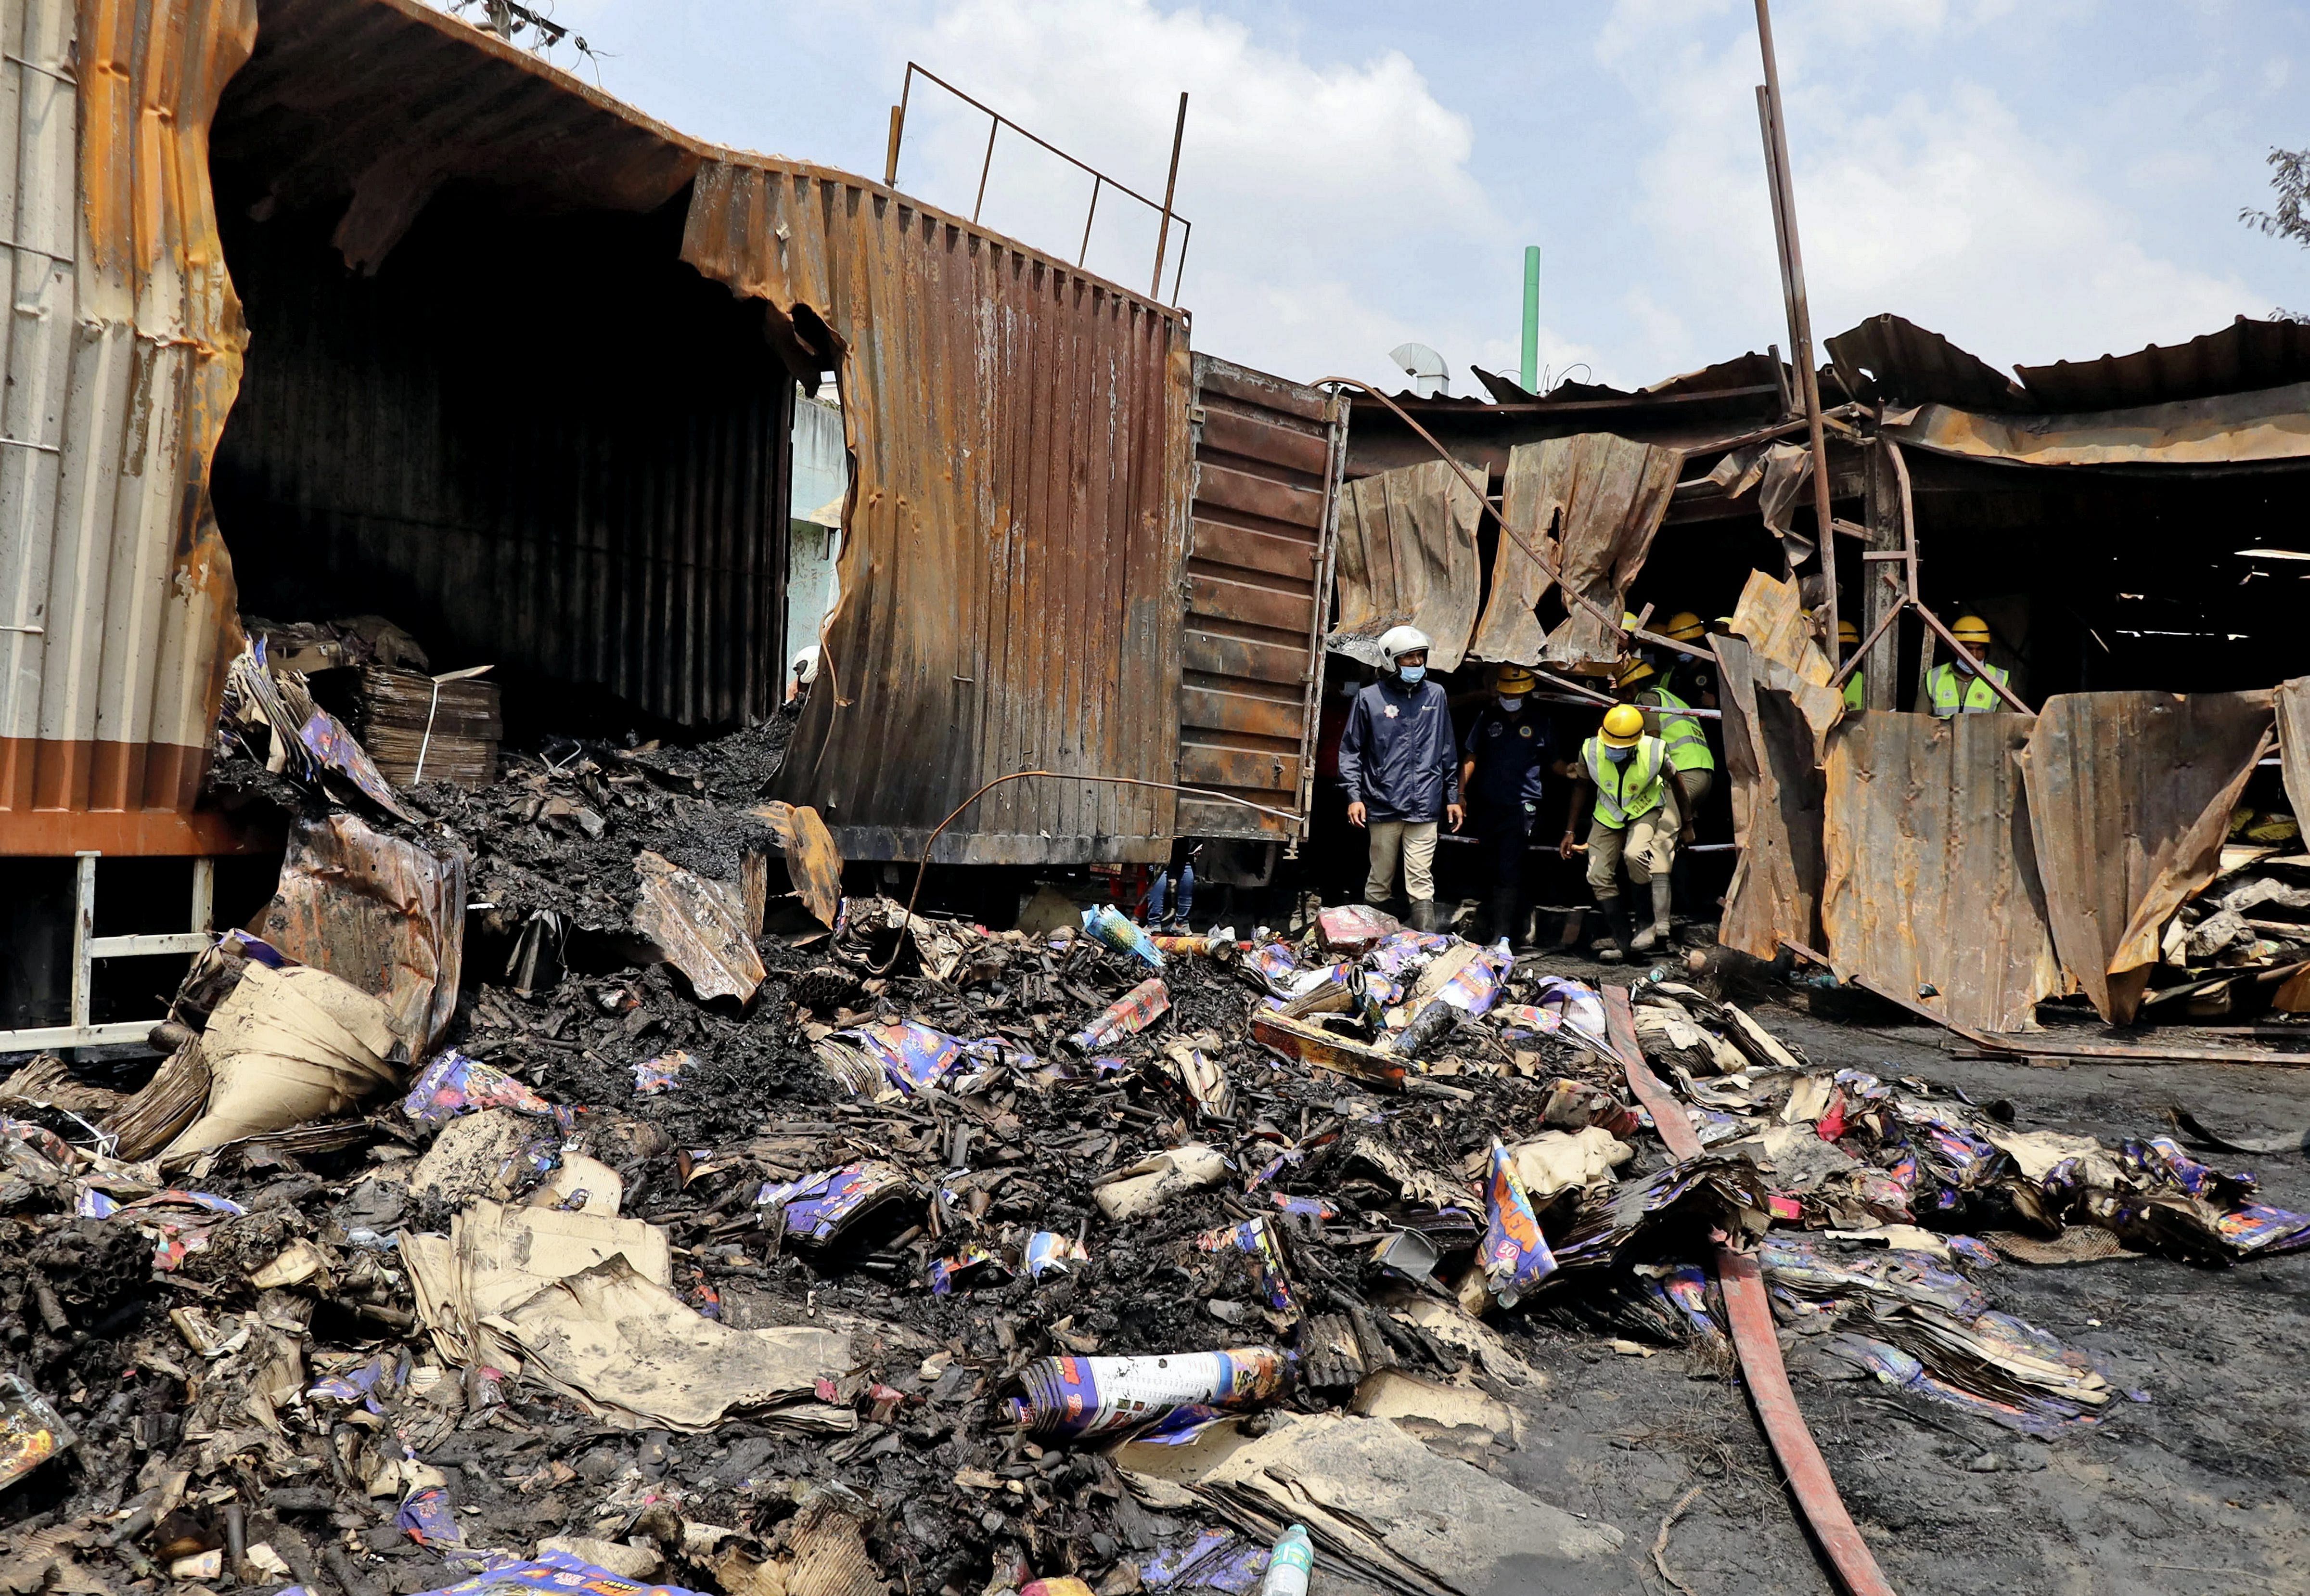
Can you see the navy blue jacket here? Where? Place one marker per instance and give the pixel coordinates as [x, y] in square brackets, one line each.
[1398, 758]
[1511, 754]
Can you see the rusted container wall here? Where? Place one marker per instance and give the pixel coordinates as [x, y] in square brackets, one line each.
[1266, 454]
[122, 356]
[1932, 892]
[603, 516]
[1013, 556]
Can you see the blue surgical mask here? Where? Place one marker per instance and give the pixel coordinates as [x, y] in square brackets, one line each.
[1412, 674]
[1510, 705]
[1619, 756]
[1684, 659]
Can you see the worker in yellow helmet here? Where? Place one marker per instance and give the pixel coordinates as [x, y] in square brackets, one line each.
[1638, 797]
[1661, 697]
[1957, 688]
[1503, 758]
[1690, 674]
[1856, 690]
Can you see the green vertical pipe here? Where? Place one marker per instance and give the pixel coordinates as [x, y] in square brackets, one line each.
[1531, 319]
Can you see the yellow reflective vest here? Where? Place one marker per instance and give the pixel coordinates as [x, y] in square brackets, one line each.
[1953, 694]
[1856, 691]
[1630, 790]
[1687, 744]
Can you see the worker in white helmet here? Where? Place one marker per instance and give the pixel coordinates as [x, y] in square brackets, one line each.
[1400, 766]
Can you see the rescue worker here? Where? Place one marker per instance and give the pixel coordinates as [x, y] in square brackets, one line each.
[1501, 761]
[1687, 740]
[1632, 825]
[1955, 687]
[1400, 764]
[1691, 675]
[1856, 688]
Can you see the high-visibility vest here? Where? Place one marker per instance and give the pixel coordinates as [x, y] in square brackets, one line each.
[1974, 696]
[1856, 691]
[1628, 792]
[1687, 744]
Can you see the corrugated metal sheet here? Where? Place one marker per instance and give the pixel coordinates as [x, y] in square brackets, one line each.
[2243, 357]
[1010, 577]
[2130, 797]
[1608, 496]
[1931, 886]
[2294, 741]
[1408, 558]
[608, 514]
[1888, 361]
[1267, 452]
[1771, 757]
[2228, 429]
[122, 356]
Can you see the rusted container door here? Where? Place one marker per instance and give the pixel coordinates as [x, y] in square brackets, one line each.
[1259, 567]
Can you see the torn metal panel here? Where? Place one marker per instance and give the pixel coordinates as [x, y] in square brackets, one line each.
[1769, 754]
[1407, 557]
[121, 360]
[2294, 741]
[2130, 797]
[2225, 429]
[1931, 886]
[2240, 357]
[1009, 574]
[1267, 453]
[1887, 360]
[1611, 494]
[1530, 499]
[1771, 616]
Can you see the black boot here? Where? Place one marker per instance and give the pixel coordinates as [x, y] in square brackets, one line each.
[1422, 915]
[1501, 923]
[1616, 920]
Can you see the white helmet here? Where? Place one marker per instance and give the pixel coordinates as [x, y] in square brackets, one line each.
[1400, 640]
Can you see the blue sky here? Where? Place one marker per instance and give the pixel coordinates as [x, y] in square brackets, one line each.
[2039, 179]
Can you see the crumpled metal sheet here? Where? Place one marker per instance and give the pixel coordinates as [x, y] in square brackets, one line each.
[1407, 557]
[382, 915]
[701, 925]
[1772, 620]
[1609, 497]
[1013, 561]
[2130, 796]
[1591, 504]
[2227, 430]
[1931, 870]
[2294, 741]
[1770, 755]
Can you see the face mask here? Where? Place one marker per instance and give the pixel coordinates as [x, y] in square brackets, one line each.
[1510, 705]
[1964, 667]
[1684, 659]
[1619, 756]
[1412, 674]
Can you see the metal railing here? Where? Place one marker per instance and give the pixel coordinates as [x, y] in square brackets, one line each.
[997, 121]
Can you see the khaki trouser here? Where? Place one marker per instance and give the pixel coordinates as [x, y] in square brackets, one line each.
[1415, 841]
[1647, 846]
[1701, 782]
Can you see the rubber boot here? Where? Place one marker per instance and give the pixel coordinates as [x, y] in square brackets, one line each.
[1422, 915]
[1501, 923]
[1656, 934]
[1615, 910]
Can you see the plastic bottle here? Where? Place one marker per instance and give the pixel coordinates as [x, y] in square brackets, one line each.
[1288, 1565]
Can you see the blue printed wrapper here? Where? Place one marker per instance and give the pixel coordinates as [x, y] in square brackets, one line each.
[659, 1074]
[1103, 925]
[1087, 1396]
[1256, 1240]
[554, 1574]
[1214, 1560]
[1515, 1253]
[430, 1518]
[93, 1204]
[819, 1205]
[1047, 1252]
[945, 1271]
[454, 1084]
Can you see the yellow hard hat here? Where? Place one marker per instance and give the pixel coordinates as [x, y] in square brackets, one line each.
[1624, 723]
[1632, 673]
[1512, 679]
[1971, 631]
[1846, 632]
[1683, 626]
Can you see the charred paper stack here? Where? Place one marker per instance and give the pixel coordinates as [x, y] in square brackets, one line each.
[450, 724]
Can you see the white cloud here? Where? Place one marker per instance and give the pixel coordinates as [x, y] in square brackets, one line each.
[1944, 208]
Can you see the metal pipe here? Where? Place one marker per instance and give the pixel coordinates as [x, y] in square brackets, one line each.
[1845, 672]
[1095, 181]
[1186, 236]
[1170, 188]
[1801, 315]
[1531, 319]
[992, 127]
